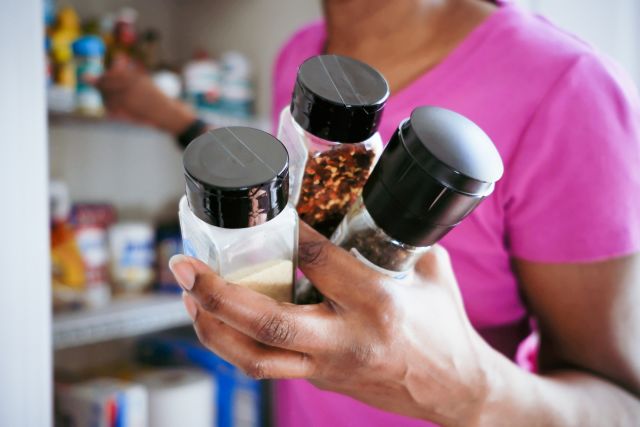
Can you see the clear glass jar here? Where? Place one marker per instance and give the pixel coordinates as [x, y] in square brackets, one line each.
[330, 131]
[436, 169]
[262, 258]
[235, 215]
[359, 234]
[326, 177]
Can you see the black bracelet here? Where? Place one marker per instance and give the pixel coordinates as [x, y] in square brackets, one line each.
[194, 130]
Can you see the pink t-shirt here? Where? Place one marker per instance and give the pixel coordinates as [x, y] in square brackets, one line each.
[566, 122]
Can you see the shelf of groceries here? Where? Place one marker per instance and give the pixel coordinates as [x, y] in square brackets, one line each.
[215, 119]
[110, 276]
[123, 317]
[80, 49]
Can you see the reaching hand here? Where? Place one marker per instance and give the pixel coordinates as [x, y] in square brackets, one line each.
[130, 94]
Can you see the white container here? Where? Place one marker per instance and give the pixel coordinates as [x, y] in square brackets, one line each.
[330, 131]
[180, 397]
[132, 255]
[235, 216]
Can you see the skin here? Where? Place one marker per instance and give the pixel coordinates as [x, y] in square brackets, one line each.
[129, 94]
[411, 350]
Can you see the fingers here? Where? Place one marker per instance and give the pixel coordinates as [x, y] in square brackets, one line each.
[254, 359]
[298, 328]
[335, 272]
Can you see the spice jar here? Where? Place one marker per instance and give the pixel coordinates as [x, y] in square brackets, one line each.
[330, 131]
[434, 172]
[235, 215]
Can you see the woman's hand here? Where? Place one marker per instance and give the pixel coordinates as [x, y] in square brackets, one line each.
[130, 94]
[409, 349]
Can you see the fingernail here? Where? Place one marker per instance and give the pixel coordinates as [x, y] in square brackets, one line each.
[183, 271]
[190, 305]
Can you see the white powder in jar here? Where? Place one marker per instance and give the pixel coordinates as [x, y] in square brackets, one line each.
[272, 278]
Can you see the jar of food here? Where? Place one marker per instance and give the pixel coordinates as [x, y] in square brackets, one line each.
[434, 172]
[330, 131]
[88, 52]
[235, 216]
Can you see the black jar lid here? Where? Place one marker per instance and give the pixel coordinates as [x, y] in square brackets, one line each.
[436, 169]
[338, 98]
[236, 177]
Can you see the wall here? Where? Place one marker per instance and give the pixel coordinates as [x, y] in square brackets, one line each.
[25, 306]
[138, 169]
[613, 26]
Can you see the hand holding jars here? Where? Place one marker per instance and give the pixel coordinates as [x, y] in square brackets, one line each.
[406, 349]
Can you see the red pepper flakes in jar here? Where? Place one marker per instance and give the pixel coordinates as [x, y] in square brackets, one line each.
[332, 182]
[330, 131]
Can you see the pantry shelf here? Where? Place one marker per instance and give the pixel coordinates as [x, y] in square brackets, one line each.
[120, 319]
[217, 120]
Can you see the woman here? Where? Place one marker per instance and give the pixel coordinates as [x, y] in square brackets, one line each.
[557, 242]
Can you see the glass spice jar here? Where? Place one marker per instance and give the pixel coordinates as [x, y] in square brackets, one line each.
[235, 215]
[434, 172]
[330, 131]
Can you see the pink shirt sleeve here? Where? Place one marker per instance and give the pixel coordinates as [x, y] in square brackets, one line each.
[573, 192]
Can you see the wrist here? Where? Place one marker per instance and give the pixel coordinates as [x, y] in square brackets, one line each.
[487, 385]
[505, 385]
[175, 118]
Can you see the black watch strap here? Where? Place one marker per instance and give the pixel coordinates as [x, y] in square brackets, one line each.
[194, 130]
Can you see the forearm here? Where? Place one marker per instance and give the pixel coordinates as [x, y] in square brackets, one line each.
[564, 398]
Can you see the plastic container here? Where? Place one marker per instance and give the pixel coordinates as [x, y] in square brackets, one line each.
[236, 91]
[434, 172]
[132, 256]
[202, 83]
[330, 131]
[235, 215]
[88, 52]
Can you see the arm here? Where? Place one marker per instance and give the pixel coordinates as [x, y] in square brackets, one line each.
[405, 349]
[590, 345]
[130, 94]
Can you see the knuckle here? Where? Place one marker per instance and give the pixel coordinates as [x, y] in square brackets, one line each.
[382, 302]
[204, 335]
[361, 354]
[440, 253]
[278, 329]
[256, 370]
[212, 302]
[313, 253]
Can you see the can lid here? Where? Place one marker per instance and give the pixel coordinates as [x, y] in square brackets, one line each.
[337, 98]
[435, 170]
[236, 177]
[88, 46]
